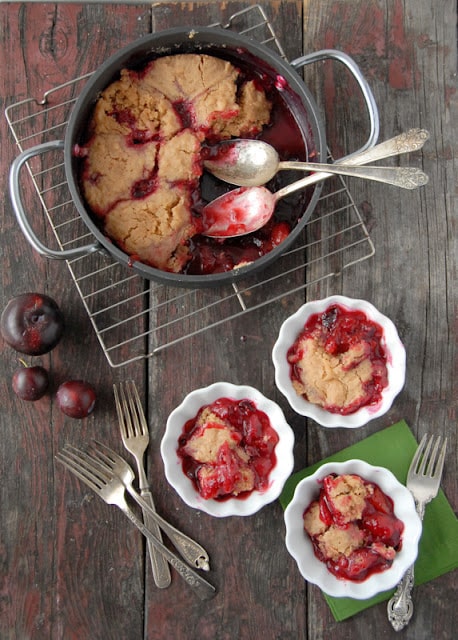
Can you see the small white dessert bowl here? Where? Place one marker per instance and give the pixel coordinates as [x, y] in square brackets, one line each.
[391, 343]
[229, 506]
[299, 544]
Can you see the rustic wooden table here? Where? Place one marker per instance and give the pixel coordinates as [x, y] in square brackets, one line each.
[74, 568]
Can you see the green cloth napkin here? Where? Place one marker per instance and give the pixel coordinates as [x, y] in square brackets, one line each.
[393, 448]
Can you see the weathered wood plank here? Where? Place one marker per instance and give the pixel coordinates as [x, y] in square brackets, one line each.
[400, 57]
[74, 565]
[242, 549]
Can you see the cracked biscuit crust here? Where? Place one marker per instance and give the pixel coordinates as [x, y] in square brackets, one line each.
[142, 162]
[328, 379]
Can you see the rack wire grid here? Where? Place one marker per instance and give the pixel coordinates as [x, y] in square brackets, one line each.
[135, 319]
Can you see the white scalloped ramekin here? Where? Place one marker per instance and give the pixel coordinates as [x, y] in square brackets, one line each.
[394, 349]
[300, 546]
[184, 486]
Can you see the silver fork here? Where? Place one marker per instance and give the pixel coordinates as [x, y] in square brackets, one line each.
[135, 437]
[423, 481]
[111, 489]
[189, 549]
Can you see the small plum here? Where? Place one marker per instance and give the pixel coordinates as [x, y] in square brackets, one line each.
[76, 398]
[32, 323]
[30, 383]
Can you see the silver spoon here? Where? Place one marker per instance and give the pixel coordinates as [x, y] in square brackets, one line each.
[247, 209]
[252, 163]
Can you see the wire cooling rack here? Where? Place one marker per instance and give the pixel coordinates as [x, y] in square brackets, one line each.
[135, 319]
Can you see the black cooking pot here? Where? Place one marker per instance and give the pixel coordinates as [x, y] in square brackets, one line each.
[292, 96]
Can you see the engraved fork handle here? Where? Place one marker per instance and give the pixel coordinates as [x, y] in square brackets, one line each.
[202, 588]
[189, 549]
[159, 565]
[400, 605]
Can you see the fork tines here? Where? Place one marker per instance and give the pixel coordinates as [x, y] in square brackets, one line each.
[425, 461]
[92, 466]
[129, 408]
[89, 470]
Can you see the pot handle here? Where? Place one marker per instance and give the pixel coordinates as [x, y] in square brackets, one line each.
[15, 195]
[363, 85]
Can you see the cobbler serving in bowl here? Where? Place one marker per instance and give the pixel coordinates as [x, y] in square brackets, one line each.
[352, 529]
[227, 450]
[339, 361]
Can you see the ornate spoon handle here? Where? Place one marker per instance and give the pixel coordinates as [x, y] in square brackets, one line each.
[411, 140]
[404, 177]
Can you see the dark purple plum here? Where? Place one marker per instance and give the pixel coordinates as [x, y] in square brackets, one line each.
[76, 398]
[30, 383]
[32, 323]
